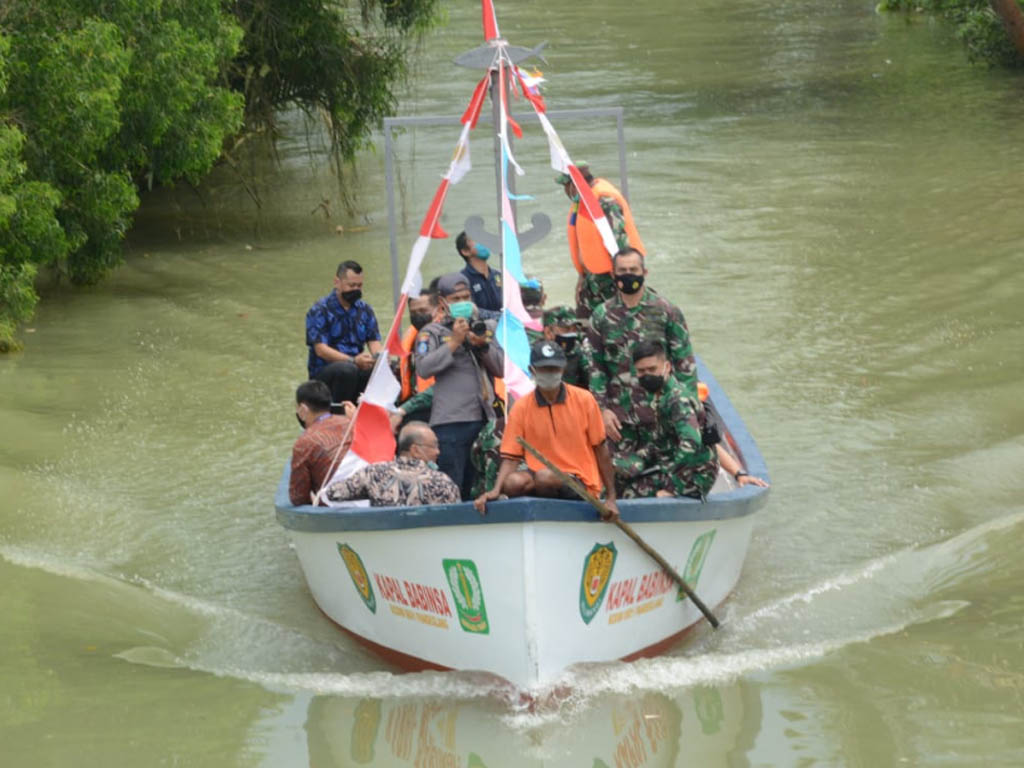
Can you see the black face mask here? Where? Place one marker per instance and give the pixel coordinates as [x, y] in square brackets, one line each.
[352, 296]
[420, 319]
[567, 340]
[652, 382]
[301, 422]
[629, 284]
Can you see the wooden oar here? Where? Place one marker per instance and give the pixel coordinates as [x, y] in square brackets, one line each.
[627, 529]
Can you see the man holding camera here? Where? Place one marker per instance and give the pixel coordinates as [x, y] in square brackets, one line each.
[663, 450]
[338, 327]
[461, 355]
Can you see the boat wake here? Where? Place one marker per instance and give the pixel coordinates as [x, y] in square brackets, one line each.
[882, 597]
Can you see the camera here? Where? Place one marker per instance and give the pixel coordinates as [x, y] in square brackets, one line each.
[479, 327]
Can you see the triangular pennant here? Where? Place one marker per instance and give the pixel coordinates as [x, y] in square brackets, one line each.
[515, 127]
[472, 113]
[373, 440]
[431, 226]
[393, 344]
[490, 21]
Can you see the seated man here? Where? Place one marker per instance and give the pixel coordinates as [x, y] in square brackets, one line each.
[727, 462]
[408, 481]
[564, 423]
[661, 453]
[317, 450]
[338, 326]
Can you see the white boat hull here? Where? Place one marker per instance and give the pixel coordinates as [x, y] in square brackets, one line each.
[514, 599]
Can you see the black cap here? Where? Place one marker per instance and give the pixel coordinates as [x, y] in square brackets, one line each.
[546, 353]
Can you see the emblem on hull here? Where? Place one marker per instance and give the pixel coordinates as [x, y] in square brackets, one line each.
[464, 582]
[695, 562]
[360, 578]
[597, 572]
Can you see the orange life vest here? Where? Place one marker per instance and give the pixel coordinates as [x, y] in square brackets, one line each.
[585, 244]
[405, 367]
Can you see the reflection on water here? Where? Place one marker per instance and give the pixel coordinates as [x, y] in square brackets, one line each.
[701, 727]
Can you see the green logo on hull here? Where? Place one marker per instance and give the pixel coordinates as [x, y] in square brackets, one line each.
[360, 578]
[695, 562]
[464, 582]
[597, 573]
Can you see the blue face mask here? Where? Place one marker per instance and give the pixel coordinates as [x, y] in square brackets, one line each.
[461, 309]
[432, 464]
[483, 252]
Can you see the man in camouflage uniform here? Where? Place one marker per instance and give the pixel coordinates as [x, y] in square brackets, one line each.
[563, 327]
[408, 481]
[634, 314]
[485, 455]
[592, 288]
[661, 452]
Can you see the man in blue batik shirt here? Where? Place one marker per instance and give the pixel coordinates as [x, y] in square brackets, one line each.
[338, 327]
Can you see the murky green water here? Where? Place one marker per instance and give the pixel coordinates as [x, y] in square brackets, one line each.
[833, 198]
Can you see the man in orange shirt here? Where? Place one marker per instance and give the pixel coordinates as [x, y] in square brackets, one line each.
[589, 255]
[564, 423]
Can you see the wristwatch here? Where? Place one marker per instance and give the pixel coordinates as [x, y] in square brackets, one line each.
[741, 473]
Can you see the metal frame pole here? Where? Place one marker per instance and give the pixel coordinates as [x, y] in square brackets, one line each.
[623, 183]
[389, 173]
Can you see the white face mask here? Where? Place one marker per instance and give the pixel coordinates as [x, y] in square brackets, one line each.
[547, 380]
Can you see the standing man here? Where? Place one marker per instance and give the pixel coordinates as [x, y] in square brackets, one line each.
[318, 446]
[416, 395]
[459, 352]
[662, 452]
[484, 282]
[633, 314]
[562, 327]
[564, 424]
[585, 243]
[338, 327]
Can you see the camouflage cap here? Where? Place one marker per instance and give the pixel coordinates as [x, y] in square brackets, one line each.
[564, 178]
[561, 316]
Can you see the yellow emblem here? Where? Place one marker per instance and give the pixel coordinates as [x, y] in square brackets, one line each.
[360, 579]
[597, 572]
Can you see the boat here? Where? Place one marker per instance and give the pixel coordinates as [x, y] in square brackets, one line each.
[536, 585]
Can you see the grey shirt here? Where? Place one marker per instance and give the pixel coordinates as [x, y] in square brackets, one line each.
[462, 389]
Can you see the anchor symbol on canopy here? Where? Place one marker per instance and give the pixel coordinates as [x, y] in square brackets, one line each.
[482, 57]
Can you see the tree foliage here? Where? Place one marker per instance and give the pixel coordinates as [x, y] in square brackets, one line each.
[977, 26]
[341, 60]
[102, 99]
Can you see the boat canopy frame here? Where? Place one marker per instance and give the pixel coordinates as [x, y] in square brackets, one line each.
[474, 223]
